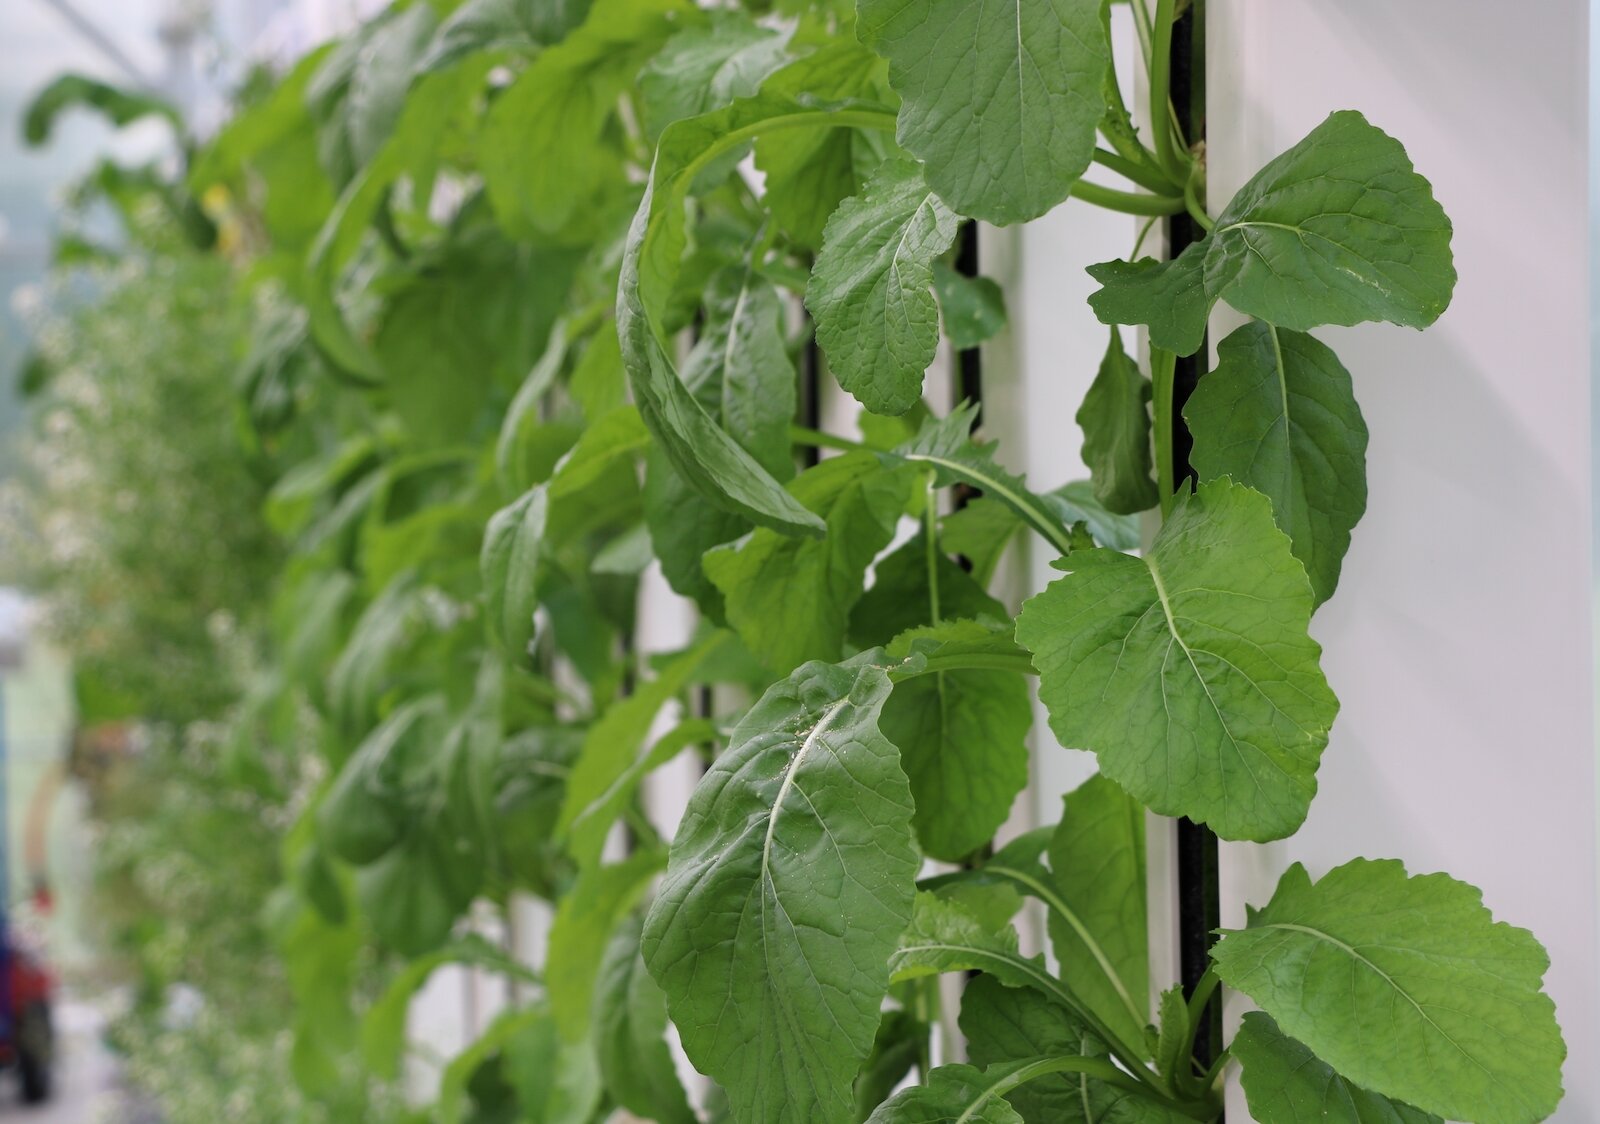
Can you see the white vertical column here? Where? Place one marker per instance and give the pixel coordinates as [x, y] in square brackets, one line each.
[1460, 638]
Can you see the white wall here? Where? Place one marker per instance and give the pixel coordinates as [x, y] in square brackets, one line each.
[1460, 638]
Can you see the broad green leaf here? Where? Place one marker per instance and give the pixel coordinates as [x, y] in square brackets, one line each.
[1189, 671]
[790, 598]
[741, 373]
[523, 447]
[510, 565]
[706, 68]
[943, 936]
[428, 109]
[1278, 413]
[520, 26]
[1406, 986]
[963, 743]
[549, 169]
[740, 369]
[974, 464]
[1099, 926]
[589, 913]
[365, 813]
[1285, 1083]
[954, 1094]
[789, 884]
[630, 1019]
[1115, 419]
[1007, 1024]
[381, 78]
[809, 172]
[973, 308]
[683, 527]
[707, 457]
[556, 1081]
[614, 758]
[598, 383]
[319, 960]
[901, 1042]
[902, 595]
[530, 779]
[383, 1028]
[1001, 100]
[871, 289]
[1340, 229]
[453, 1100]
[415, 891]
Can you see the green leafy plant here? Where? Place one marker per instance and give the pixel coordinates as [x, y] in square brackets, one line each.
[538, 271]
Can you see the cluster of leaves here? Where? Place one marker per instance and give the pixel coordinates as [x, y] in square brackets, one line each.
[530, 274]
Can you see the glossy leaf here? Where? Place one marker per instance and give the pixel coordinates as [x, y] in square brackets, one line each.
[1278, 413]
[871, 290]
[1285, 1083]
[1340, 229]
[789, 883]
[1001, 101]
[1406, 986]
[1189, 671]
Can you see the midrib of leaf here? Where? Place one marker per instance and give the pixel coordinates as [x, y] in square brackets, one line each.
[783, 791]
[1355, 954]
[767, 883]
[1037, 518]
[1302, 233]
[1070, 916]
[1172, 627]
[1288, 431]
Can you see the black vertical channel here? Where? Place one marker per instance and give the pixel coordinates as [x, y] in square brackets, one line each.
[969, 360]
[1199, 899]
[810, 404]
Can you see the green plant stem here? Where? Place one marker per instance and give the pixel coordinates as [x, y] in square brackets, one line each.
[1217, 1066]
[1161, 127]
[816, 438]
[1192, 201]
[1145, 175]
[1204, 989]
[965, 661]
[930, 535]
[1127, 202]
[1056, 905]
[1163, 365]
[1127, 142]
[1144, 232]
